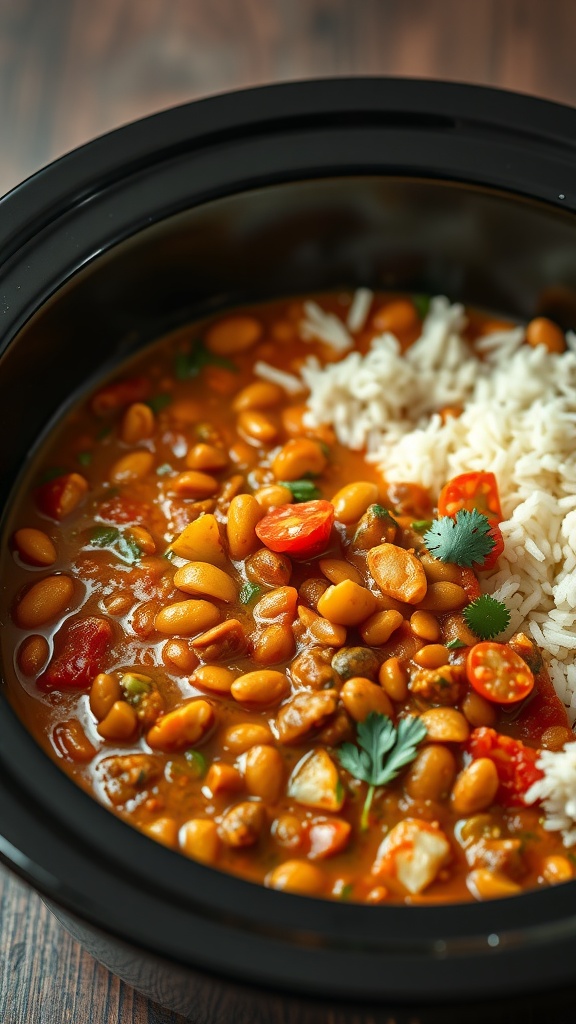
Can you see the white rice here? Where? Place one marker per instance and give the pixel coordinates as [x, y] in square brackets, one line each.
[291, 384]
[327, 327]
[557, 791]
[359, 309]
[518, 421]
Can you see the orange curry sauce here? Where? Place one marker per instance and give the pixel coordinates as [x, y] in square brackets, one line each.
[101, 654]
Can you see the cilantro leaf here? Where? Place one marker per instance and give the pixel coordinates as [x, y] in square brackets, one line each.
[455, 644]
[302, 490]
[486, 617]
[422, 303]
[190, 364]
[421, 525]
[382, 752]
[464, 539]
[248, 592]
[123, 545]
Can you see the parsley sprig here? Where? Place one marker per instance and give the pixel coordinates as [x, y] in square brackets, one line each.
[382, 752]
[486, 617]
[302, 490]
[464, 539]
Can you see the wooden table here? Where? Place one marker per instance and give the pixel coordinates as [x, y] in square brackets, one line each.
[70, 70]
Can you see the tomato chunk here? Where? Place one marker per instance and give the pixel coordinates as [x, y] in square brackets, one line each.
[302, 530]
[497, 673]
[471, 491]
[514, 761]
[124, 511]
[115, 396]
[59, 497]
[83, 645]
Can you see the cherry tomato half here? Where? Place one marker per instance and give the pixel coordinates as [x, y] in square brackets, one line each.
[497, 673]
[491, 559]
[471, 491]
[302, 530]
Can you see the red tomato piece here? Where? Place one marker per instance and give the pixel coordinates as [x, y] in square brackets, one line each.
[491, 559]
[124, 511]
[471, 491]
[514, 761]
[497, 673]
[82, 647]
[59, 497]
[116, 396]
[302, 530]
[470, 583]
[327, 836]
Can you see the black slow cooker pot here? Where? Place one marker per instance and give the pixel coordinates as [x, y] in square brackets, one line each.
[407, 185]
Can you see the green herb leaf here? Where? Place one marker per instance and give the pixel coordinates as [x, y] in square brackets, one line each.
[248, 592]
[190, 364]
[85, 458]
[381, 513]
[486, 617]
[421, 525]
[197, 763]
[109, 537]
[464, 540]
[381, 753]
[455, 645]
[159, 401]
[302, 490]
[422, 303]
[135, 687]
[346, 891]
[164, 469]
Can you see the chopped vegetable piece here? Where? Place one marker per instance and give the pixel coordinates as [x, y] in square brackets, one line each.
[315, 782]
[159, 402]
[190, 364]
[499, 674]
[515, 763]
[455, 645]
[422, 304]
[382, 752]
[115, 396]
[421, 525]
[197, 763]
[465, 540]
[60, 496]
[486, 617]
[124, 546]
[302, 490]
[301, 530]
[85, 458]
[80, 649]
[471, 491]
[249, 592]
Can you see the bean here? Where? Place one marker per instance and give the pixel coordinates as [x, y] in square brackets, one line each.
[337, 570]
[264, 772]
[143, 618]
[486, 884]
[117, 604]
[398, 573]
[200, 542]
[239, 738]
[132, 466]
[274, 644]
[555, 736]
[120, 723]
[223, 778]
[104, 693]
[443, 597]
[379, 627]
[71, 740]
[360, 696]
[355, 661]
[432, 774]
[178, 653]
[44, 601]
[440, 572]
[192, 483]
[137, 423]
[476, 787]
[34, 546]
[322, 630]
[33, 654]
[432, 656]
[261, 394]
[311, 591]
[225, 641]
[230, 489]
[199, 840]
[398, 316]
[300, 457]
[278, 602]
[243, 824]
[454, 628]
[143, 539]
[273, 496]
[244, 515]
[204, 578]
[478, 711]
[288, 832]
[186, 618]
[269, 568]
[393, 677]
[347, 604]
[163, 830]
[182, 727]
[311, 669]
[303, 713]
[256, 425]
[445, 725]
[234, 334]
[261, 688]
[542, 331]
[298, 876]
[426, 626]
[214, 678]
[556, 868]
[351, 501]
[207, 457]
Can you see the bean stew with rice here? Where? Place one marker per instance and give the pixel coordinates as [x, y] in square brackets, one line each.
[232, 630]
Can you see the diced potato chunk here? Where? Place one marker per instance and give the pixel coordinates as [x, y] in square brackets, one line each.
[315, 782]
[200, 541]
[413, 852]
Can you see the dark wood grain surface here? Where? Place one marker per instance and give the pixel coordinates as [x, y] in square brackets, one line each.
[72, 69]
